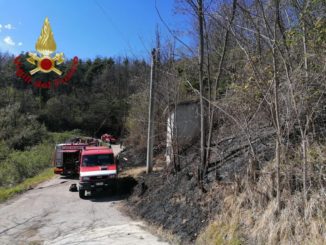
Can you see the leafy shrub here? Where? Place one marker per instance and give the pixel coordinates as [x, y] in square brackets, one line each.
[20, 131]
[20, 165]
[16, 165]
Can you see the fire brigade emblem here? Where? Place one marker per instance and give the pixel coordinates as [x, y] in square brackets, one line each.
[45, 46]
[45, 61]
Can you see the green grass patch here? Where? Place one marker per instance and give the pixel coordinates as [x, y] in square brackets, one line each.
[219, 234]
[16, 166]
[6, 193]
[19, 170]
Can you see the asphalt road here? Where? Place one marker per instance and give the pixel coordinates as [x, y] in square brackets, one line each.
[50, 214]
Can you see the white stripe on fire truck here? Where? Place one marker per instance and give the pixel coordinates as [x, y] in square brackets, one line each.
[98, 173]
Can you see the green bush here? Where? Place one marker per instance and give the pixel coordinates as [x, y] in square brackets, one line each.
[8, 192]
[20, 165]
[16, 166]
[20, 131]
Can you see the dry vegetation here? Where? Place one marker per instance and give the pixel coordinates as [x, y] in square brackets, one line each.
[250, 215]
[260, 81]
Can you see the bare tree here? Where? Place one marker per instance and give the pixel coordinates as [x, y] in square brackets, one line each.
[217, 81]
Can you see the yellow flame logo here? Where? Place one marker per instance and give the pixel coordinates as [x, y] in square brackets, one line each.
[45, 45]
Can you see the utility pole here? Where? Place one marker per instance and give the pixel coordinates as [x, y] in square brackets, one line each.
[150, 132]
[200, 15]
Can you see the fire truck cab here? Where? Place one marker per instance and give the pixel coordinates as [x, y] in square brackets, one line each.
[98, 170]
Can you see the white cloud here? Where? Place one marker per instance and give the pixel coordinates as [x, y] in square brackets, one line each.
[8, 26]
[0, 26]
[20, 44]
[8, 40]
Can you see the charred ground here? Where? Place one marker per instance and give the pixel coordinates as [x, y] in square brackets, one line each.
[175, 201]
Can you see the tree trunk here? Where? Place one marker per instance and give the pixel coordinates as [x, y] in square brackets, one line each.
[304, 170]
[277, 111]
[200, 16]
[303, 134]
[217, 80]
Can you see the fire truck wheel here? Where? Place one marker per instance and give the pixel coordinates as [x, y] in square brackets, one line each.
[82, 194]
[114, 188]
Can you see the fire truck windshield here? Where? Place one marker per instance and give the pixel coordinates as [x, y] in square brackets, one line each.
[98, 160]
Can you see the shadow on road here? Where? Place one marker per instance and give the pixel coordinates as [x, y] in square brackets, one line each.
[73, 177]
[124, 188]
[106, 197]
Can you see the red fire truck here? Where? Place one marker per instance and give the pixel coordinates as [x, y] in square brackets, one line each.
[98, 170]
[96, 166]
[108, 138]
[66, 158]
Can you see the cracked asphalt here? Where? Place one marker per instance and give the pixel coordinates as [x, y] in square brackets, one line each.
[51, 214]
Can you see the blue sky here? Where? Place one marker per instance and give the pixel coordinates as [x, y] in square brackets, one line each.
[87, 28]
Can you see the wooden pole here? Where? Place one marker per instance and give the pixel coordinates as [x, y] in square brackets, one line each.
[150, 132]
[201, 88]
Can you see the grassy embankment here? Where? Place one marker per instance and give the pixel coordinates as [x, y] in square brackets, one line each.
[21, 170]
[251, 216]
[8, 192]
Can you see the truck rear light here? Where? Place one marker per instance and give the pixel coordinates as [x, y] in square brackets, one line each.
[58, 170]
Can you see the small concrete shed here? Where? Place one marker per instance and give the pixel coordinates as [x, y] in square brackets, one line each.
[183, 127]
